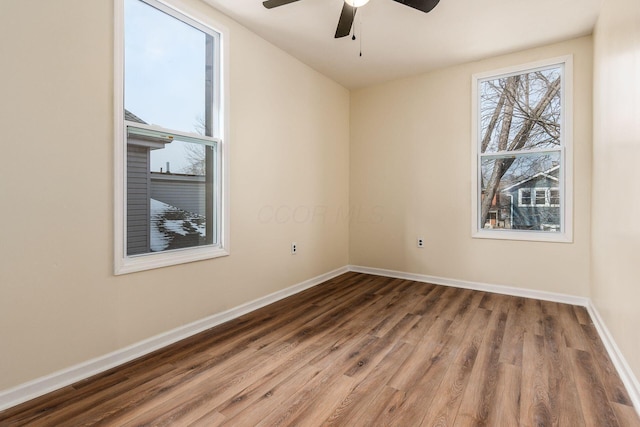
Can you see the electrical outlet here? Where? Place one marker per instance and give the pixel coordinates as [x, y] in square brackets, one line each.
[420, 242]
[294, 248]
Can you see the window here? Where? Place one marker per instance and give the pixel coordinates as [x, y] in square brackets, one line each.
[525, 197]
[554, 197]
[522, 152]
[541, 196]
[549, 197]
[171, 149]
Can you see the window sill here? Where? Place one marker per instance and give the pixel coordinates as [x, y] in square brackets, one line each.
[526, 236]
[132, 264]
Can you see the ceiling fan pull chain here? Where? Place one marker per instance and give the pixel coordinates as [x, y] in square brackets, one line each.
[361, 38]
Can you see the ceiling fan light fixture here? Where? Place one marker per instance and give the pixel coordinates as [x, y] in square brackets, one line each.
[356, 3]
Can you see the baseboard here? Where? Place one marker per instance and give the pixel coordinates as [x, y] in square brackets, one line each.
[619, 362]
[63, 378]
[485, 287]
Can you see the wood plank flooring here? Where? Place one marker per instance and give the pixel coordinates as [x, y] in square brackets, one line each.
[362, 350]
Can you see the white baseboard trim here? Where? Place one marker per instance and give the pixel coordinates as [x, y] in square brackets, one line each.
[40, 386]
[497, 289]
[619, 362]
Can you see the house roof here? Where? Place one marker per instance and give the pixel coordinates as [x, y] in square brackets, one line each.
[151, 142]
[128, 115]
[547, 174]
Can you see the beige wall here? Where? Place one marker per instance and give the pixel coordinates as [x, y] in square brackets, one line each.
[59, 301]
[616, 175]
[410, 164]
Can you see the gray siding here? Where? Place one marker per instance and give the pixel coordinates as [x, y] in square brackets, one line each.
[534, 217]
[138, 192]
[184, 192]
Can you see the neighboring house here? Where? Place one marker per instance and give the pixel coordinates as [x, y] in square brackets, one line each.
[530, 204]
[139, 188]
[183, 193]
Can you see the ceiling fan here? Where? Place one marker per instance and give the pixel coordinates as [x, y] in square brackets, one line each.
[349, 10]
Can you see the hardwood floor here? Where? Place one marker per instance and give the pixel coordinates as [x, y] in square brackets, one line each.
[363, 350]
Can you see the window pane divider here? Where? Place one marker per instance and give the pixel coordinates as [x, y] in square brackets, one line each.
[507, 153]
[140, 129]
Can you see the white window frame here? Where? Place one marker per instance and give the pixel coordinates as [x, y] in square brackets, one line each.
[127, 264]
[565, 186]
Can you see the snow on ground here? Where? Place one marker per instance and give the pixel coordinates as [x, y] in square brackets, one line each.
[173, 228]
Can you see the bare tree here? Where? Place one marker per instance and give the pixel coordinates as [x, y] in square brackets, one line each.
[520, 112]
[195, 156]
[195, 153]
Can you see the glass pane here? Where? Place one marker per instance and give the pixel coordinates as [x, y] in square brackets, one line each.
[521, 112]
[508, 184]
[165, 69]
[169, 195]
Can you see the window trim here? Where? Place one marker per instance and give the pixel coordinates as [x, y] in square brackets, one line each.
[124, 264]
[566, 154]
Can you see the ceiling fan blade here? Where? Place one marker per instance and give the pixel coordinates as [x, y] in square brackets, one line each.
[422, 5]
[346, 20]
[270, 4]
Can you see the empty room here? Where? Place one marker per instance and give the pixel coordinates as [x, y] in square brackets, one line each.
[320, 212]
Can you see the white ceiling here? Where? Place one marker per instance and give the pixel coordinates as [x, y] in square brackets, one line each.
[399, 41]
